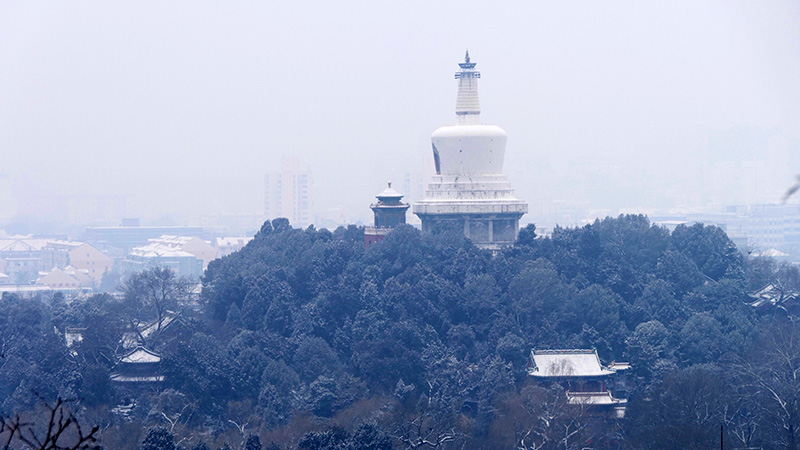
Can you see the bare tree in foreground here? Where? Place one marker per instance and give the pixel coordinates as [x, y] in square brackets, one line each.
[432, 428]
[155, 292]
[772, 373]
[63, 432]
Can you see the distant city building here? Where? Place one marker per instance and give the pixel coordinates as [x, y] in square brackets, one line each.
[67, 278]
[587, 382]
[332, 218]
[759, 230]
[227, 245]
[80, 255]
[22, 258]
[240, 224]
[469, 189]
[124, 238]
[72, 209]
[287, 193]
[389, 213]
[156, 254]
[190, 244]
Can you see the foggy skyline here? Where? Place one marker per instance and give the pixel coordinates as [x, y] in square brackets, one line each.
[183, 107]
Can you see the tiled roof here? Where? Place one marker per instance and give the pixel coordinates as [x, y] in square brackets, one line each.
[567, 363]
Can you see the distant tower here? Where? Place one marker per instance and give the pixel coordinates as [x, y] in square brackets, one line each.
[389, 212]
[287, 193]
[469, 189]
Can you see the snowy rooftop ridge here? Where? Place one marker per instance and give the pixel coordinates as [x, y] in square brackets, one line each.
[157, 249]
[140, 355]
[567, 363]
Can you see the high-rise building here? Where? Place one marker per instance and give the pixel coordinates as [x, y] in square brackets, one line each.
[469, 189]
[287, 193]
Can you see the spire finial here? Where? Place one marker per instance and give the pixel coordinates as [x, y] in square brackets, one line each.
[467, 64]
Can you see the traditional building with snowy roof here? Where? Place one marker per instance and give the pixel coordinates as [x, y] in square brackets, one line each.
[774, 297]
[145, 334]
[588, 383]
[140, 365]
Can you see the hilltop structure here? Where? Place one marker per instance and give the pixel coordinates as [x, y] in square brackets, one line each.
[390, 212]
[469, 189]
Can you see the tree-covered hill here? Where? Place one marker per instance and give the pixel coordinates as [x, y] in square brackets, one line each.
[376, 314]
[426, 334]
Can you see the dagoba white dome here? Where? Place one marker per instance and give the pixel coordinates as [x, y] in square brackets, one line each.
[469, 149]
[469, 187]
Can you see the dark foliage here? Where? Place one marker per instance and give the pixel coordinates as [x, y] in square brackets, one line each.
[302, 329]
[158, 438]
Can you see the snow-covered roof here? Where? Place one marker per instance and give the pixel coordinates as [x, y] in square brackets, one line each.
[73, 270]
[141, 355]
[232, 241]
[172, 239]
[58, 278]
[772, 253]
[24, 244]
[593, 398]
[135, 379]
[567, 363]
[30, 288]
[64, 244]
[152, 327]
[73, 335]
[132, 339]
[389, 193]
[157, 249]
[619, 365]
[773, 295]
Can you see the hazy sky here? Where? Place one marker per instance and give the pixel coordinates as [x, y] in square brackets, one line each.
[184, 105]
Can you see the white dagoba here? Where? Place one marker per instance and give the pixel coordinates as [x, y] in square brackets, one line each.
[469, 188]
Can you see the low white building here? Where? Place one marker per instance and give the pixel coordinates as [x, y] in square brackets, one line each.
[66, 278]
[189, 244]
[227, 245]
[155, 254]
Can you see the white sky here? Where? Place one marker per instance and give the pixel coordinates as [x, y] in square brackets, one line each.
[184, 105]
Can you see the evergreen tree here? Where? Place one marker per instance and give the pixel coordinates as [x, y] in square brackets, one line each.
[253, 442]
[158, 438]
